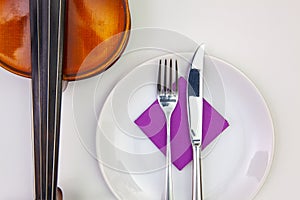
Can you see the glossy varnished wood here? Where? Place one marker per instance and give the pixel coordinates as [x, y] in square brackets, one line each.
[15, 36]
[42, 40]
[96, 33]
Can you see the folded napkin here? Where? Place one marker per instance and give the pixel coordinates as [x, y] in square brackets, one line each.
[152, 122]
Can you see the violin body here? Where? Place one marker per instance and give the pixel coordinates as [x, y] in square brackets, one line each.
[54, 40]
[96, 33]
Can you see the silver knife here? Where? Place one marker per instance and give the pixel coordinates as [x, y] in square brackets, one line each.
[195, 112]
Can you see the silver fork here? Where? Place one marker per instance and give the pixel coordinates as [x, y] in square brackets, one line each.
[167, 95]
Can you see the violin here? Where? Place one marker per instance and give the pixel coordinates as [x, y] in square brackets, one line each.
[51, 41]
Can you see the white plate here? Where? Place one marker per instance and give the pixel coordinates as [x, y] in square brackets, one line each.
[234, 167]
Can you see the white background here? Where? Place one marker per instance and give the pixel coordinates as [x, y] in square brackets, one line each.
[259, 37]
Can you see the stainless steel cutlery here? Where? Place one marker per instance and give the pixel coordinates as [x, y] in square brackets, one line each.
[167, 95]
[195, 112]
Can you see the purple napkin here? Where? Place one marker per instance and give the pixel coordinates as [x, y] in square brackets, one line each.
[152, 122]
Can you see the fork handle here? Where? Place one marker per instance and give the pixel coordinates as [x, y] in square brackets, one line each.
[169, 179]
[197, 179]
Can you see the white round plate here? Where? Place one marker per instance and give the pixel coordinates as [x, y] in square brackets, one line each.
[234, 166]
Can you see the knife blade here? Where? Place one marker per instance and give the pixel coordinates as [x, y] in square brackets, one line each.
[195, 112]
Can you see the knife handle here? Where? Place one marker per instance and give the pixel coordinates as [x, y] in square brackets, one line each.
[197, 179]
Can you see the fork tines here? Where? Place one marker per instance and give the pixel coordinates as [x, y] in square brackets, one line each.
[165, 76]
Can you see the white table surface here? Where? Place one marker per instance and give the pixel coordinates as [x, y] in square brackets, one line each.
[259, 37]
